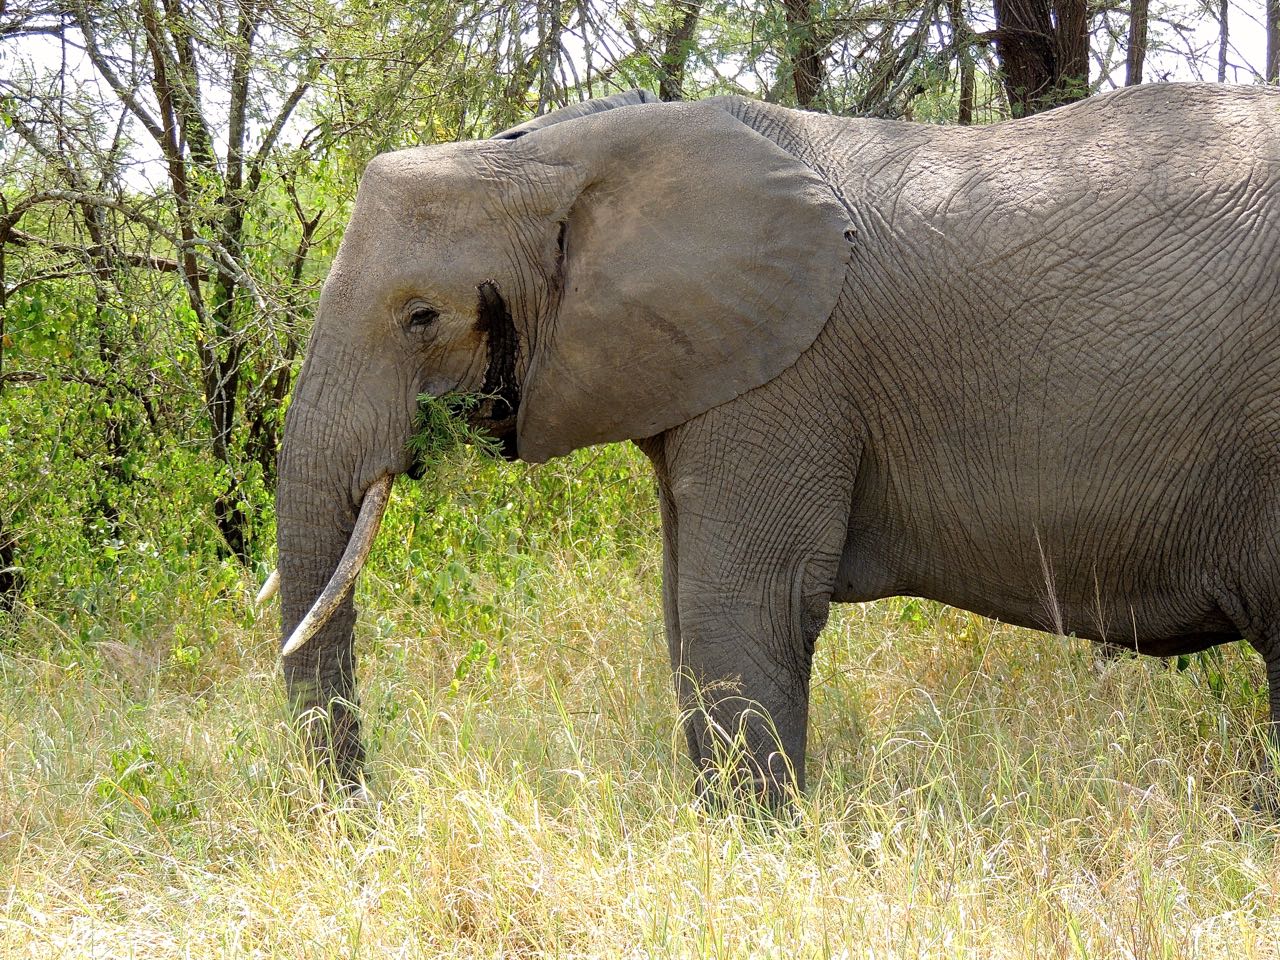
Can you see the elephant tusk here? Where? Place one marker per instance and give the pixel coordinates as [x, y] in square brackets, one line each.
[269, 589]
[353, 558]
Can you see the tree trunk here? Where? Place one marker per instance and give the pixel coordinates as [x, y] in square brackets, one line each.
[549, 31]
[116, 429]
[262, 441]
[1072, 80]
[808, 71]
[1273, 41]
[10, 579]
[1137, 51]
[962, 38]
[4, 290]
[675, 51]
[1024, 42]
[1222, 41]
[1043, 51]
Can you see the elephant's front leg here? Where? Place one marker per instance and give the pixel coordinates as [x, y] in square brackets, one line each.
[753, 540]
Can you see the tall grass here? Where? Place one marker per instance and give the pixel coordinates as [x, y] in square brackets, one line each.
[977, 790]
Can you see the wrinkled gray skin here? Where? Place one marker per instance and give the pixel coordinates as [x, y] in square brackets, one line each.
[1031, 370]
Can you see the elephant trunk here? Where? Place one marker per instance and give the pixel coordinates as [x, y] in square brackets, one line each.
[329, 467]
[320, 678]
[339, 587]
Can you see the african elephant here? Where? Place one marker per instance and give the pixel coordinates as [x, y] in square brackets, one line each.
[1031, 370]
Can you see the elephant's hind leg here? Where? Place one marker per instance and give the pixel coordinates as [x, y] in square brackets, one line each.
[754, 530]
[1258, 620]
[1266, 793]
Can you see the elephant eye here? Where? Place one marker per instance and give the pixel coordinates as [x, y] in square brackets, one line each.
[422, 316]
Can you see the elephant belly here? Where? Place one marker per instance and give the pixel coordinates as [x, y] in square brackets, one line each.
[1160, 620]
[1162, 627]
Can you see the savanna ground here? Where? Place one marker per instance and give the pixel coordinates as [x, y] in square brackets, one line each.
[977, 790]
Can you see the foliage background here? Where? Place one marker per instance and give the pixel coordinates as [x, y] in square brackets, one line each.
[175, 176]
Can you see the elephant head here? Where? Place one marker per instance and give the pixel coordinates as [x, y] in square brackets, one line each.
[602, 278]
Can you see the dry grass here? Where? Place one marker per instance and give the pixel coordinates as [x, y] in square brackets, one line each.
[979, 791]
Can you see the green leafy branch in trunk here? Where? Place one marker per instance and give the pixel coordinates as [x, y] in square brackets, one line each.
[443, 427]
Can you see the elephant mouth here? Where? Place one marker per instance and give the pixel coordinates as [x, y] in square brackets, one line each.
[445, 423]
[500, 429]
[502, 433]
[493, 411]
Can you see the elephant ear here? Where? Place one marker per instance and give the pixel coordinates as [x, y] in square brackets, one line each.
[699, 260]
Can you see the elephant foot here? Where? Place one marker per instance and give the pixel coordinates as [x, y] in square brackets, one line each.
[1262, 798]
[1264, 789]
[346, 802]
[746, 792]
[354, 798]
[334, 752]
